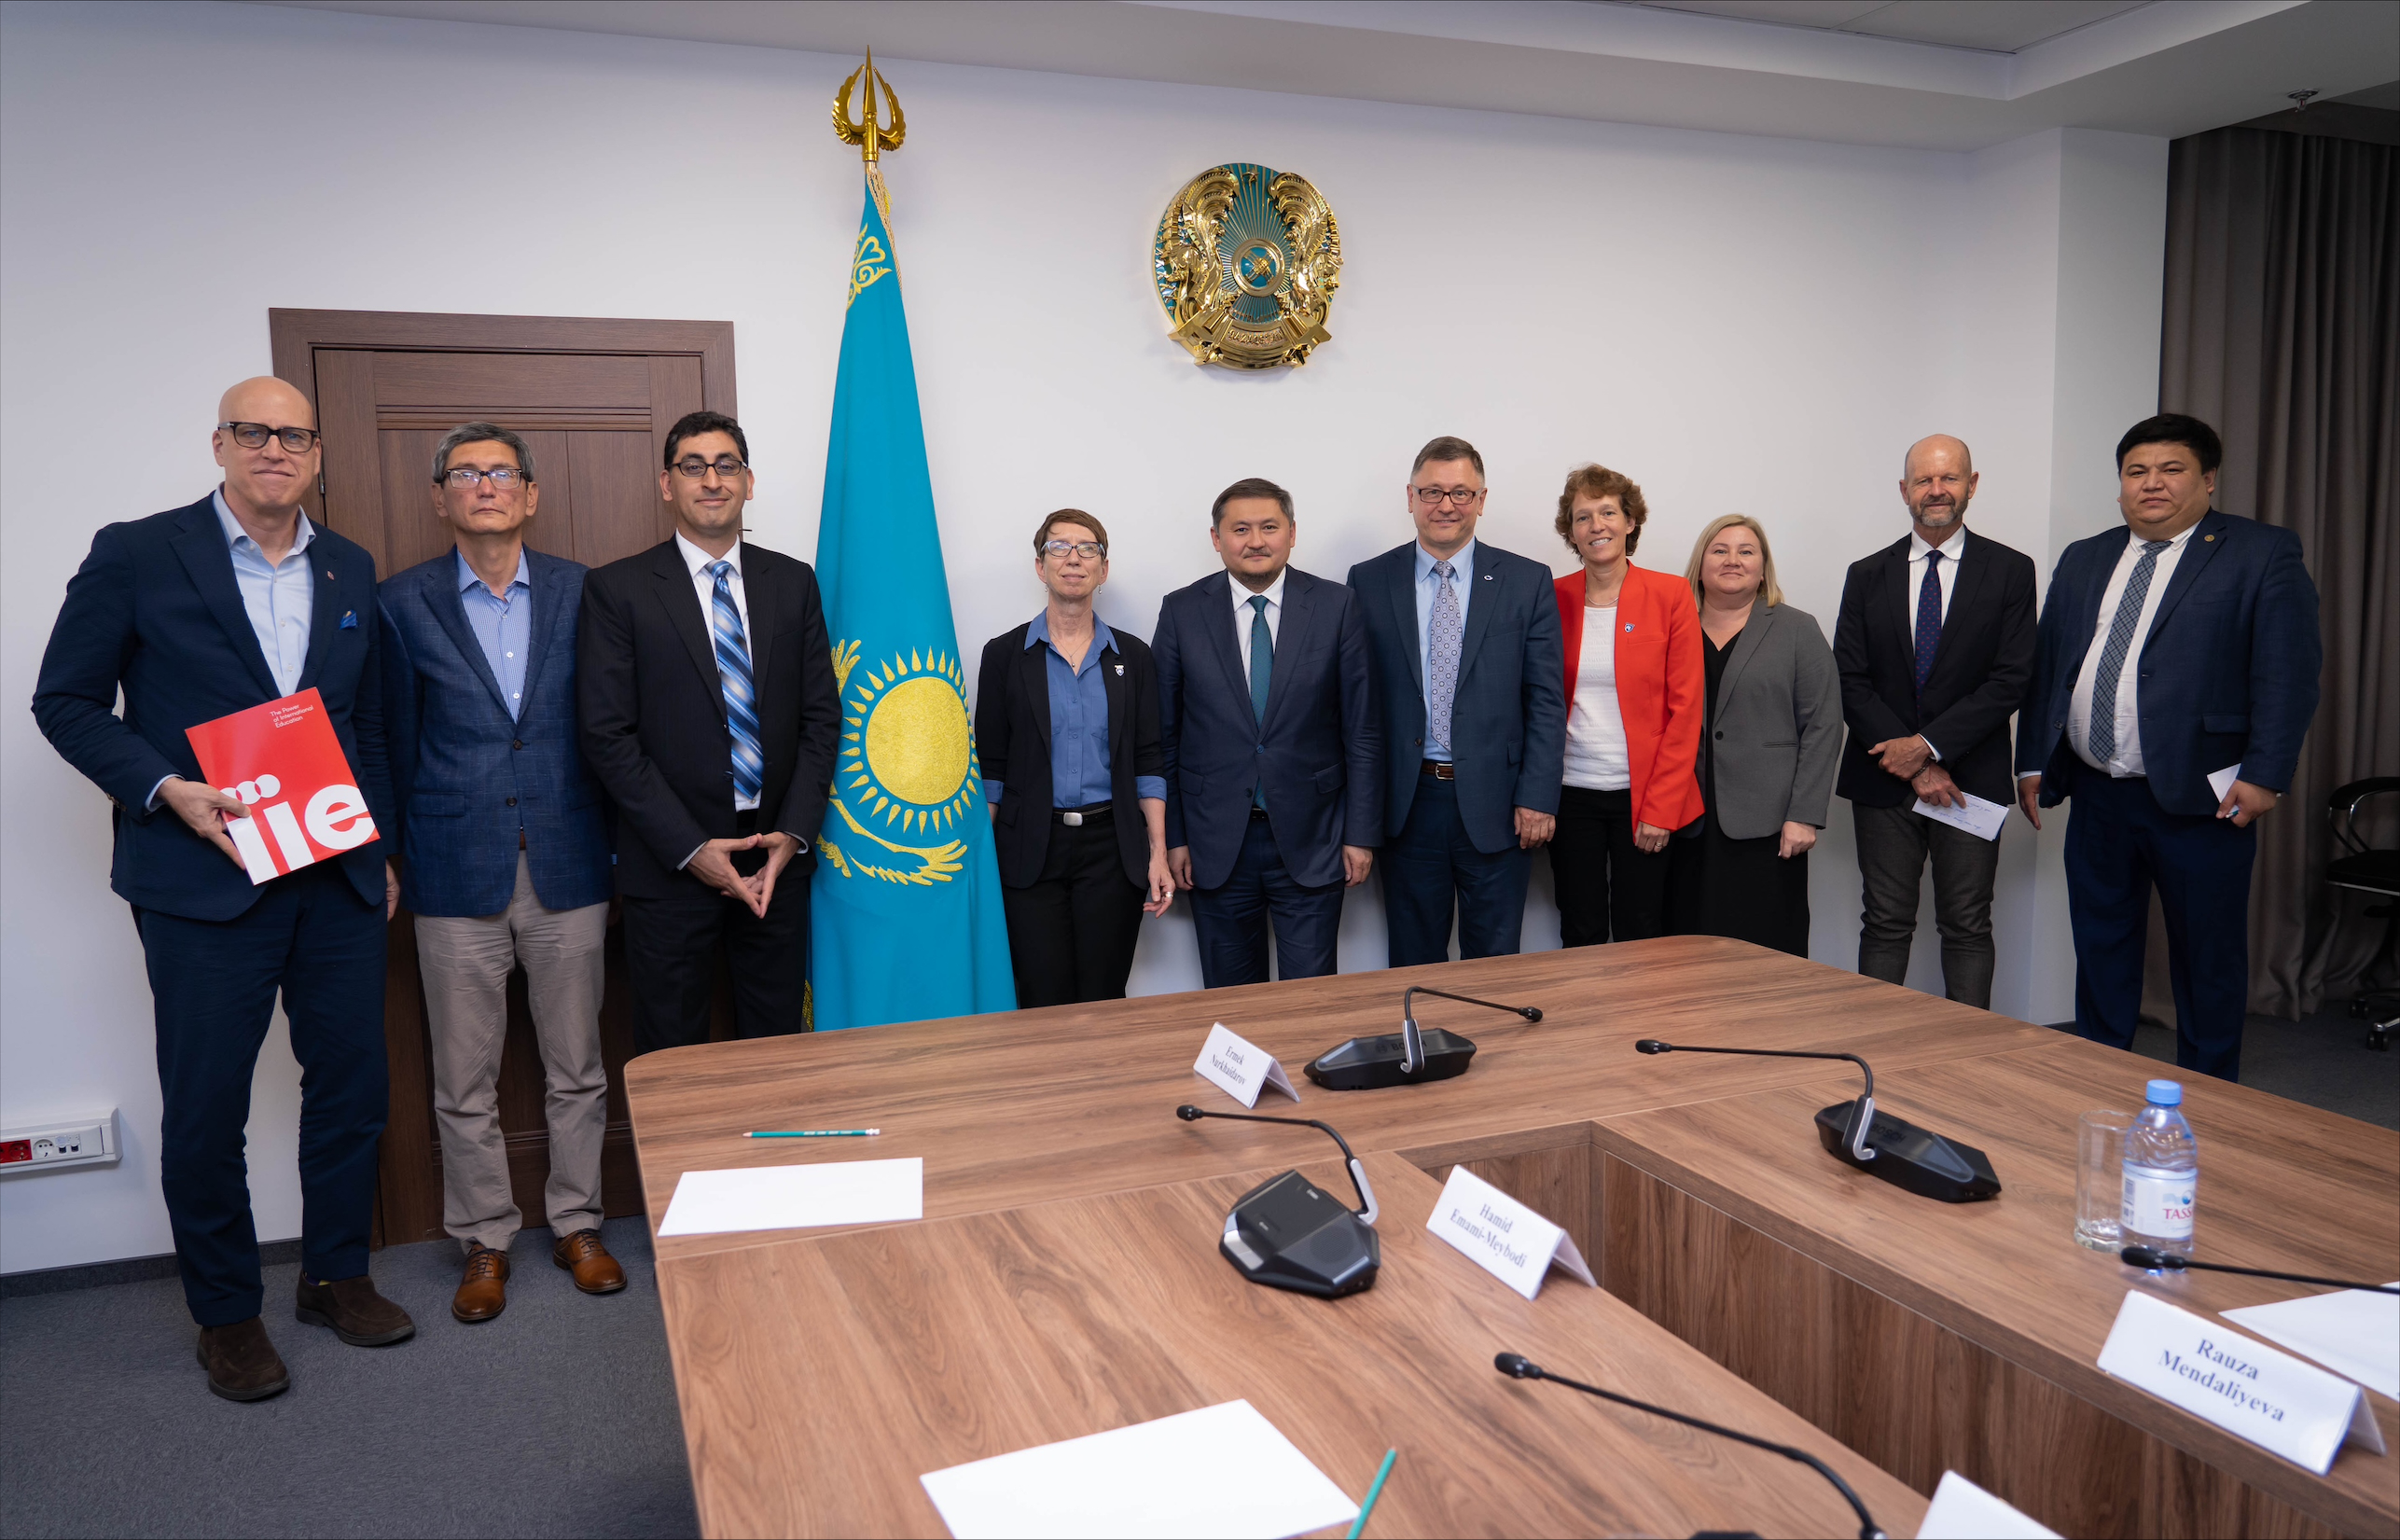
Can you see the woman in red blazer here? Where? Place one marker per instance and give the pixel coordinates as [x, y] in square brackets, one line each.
[1634, 703]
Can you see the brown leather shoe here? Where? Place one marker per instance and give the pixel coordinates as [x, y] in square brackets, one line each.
[357, 1314]
[483, 1293]
[582, 1254]
[243, 1365]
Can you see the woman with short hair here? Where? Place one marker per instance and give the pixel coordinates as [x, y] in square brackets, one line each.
[1767, 752]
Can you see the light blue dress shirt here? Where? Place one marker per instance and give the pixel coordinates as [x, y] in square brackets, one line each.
[1080, 772]
[280, 600]
[1462, 581]
[504, 626]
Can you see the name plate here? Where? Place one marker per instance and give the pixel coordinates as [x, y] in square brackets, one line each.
[1503, 1236]
[2246, 1387]
[1242, 1070]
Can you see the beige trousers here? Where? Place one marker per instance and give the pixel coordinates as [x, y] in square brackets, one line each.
[466, 964]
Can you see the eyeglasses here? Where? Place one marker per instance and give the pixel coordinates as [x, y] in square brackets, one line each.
[503, 478]
[1090, 550]
[254, 436]
[692, 467]
[1460, 497]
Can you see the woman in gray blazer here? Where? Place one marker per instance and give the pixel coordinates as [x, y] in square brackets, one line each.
[1769, 748]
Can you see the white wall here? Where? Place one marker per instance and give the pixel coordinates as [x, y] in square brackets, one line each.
[1737, 323]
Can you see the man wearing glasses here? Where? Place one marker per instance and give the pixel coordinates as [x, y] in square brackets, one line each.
[708, 716]
[1466, 642]
[195, 614]
[507, 855]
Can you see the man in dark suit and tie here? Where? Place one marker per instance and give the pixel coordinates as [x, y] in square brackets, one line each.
[705, 685]
[195, 614]
[1935, 647]
[1275, 801]
[506, 851]
[2174, 681]
[1469, 679]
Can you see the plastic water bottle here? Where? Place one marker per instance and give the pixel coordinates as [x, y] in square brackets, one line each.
[2163, 1173]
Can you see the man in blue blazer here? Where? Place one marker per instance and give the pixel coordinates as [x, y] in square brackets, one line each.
[1470, 681]
[1272, 752]
[507, 857]
[196, 614]
[2173, 679]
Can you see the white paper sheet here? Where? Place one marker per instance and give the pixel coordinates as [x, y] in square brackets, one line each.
[1223, 1470]
[2354, 1333]
[1961, 1510]
[774, 1198]
[2221, 782]
[1979, 818]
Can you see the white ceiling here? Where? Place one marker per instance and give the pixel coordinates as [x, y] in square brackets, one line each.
[1949, 75]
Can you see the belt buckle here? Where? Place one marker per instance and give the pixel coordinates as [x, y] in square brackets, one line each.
[1072, 820]
[1444, 769]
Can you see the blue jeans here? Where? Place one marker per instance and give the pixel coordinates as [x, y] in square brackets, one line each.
[1432, 869]
[1232, 918]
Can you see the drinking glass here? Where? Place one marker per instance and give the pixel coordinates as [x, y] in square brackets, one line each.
[2100, 1177]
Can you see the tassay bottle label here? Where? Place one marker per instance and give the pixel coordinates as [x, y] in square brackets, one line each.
[2158, 1204]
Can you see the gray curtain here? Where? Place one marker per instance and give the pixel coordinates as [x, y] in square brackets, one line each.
[2283, 331]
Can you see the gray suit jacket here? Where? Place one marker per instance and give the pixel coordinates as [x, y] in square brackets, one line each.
[1775, 734]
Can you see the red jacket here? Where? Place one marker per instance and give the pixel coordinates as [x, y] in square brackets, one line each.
[1660, 687]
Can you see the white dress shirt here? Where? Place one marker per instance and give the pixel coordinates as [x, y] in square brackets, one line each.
[705, 584]
[1244, 615]
[1596, 757]
[2127, 759]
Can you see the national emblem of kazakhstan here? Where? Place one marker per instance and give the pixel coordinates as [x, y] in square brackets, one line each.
[1246, 260]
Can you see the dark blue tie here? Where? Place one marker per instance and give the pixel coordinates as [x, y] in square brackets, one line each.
[741, 698]
[2100, 733]
[1262, 675]
[1929, 618]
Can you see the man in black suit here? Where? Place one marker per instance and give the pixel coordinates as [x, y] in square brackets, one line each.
[709, 718]
[1273, 754]
[1935, 647]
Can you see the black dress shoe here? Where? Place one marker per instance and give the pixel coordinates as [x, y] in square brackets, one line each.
[357, 1314]
[243, 1365]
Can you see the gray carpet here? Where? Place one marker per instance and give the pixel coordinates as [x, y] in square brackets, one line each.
[557, 1418]
[2323, 1060]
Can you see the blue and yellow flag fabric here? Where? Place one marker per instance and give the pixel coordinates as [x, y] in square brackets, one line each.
[906, 920]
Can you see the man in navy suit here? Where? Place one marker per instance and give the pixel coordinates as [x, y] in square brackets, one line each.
[1470, 678]
[1274, 769]
[2174, 676]
[195, 614]
[507, 852]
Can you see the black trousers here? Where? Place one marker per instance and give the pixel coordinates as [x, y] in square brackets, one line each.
[1071, 934]
[313, 939]
[1608, 888]
[1893, 845]
[671, 949]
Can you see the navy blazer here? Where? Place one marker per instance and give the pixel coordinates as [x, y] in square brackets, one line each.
[1320, 747]
[465, 776]
[1012, 745]
[2228, 673]
[155, 609]
[1509, 719]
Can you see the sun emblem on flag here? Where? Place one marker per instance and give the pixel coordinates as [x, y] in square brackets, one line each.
[908, 765]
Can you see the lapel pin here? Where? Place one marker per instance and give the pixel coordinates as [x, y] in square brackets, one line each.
[2210, 538]
[349, 619]
[1628, 625]
[1120, 668]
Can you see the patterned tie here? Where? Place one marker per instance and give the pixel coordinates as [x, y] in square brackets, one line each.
[1929, 618]
[1262, 675]
[1441, 660]
[740, 699]
[2101, 736]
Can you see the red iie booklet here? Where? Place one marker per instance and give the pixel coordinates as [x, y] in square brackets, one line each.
[284, 760]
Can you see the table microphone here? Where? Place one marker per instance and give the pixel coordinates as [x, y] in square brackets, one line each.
[2153, 1260]
[1911, 1158]
[1407, 1057]
[1287, 1233]
[1517, 1366]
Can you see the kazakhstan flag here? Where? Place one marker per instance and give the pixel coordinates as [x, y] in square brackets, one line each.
[905, 920]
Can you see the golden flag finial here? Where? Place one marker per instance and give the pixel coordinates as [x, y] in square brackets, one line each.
[871, 137]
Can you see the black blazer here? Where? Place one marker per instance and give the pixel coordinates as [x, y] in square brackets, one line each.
[1321, 747]
[1981, 669]
[653, 709]
[155, 609]
[1012, 744]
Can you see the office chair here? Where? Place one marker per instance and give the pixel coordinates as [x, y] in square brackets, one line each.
[2376, 872]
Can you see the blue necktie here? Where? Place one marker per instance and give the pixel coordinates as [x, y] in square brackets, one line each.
[2101, 734]
[740, 699]
[1929, 617]
[1262, 675]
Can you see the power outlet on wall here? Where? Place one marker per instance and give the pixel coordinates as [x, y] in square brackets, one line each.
[63, 1143]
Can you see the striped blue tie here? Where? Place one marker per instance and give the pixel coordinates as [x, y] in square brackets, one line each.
[2100, 737]
[740, 699]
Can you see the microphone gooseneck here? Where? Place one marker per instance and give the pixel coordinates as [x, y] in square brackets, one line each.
[2153, 1260]
[1367, 1209]
[1412, 1044]
[1517, 1366]
[1862, 1115]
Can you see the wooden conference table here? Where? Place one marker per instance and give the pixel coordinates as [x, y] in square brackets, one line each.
[1064, 1280]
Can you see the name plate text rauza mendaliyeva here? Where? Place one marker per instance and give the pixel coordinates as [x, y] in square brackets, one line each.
[2279, 1403]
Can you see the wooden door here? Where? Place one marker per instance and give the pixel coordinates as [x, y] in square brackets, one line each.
[593, 401]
